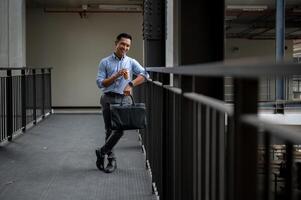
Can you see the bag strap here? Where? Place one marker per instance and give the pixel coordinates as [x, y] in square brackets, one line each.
[133, 102]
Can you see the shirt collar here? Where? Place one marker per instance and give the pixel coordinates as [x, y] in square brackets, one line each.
[116, 57]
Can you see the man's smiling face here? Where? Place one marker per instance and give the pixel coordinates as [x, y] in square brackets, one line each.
[122, 47]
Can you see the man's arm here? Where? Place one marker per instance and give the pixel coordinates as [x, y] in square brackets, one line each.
[137, 81]
[109, 81]
[102, 80]
[141, 76]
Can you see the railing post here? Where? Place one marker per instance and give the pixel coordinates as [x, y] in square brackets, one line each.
[245, 140]
[43, 93]
[34, 96]
[23, 97]
[186, 157]
[9, 114]
[50, 92]
[289, 171]
[164, 79]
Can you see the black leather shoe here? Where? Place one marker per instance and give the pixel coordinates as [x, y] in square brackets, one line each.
[112, 165]
[100, 159]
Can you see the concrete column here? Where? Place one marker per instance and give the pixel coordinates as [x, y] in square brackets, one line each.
[199, 39]
[12, 33]
[171, 56]
[169, 60]
[17, 57]
[4, 33]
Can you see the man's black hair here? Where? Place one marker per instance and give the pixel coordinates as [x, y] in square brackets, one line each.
[123, 35]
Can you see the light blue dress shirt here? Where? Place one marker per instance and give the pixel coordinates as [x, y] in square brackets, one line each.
[111, 65]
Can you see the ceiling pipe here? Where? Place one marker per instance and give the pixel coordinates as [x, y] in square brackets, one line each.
[77, 10]
[97, 8]
[288, 12]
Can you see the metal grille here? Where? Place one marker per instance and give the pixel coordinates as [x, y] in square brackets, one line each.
[3, 112]
[29, 99]
[25, 96]
[17, 103]
[200, 147]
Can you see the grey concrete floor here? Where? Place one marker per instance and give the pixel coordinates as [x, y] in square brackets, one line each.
[56, 160]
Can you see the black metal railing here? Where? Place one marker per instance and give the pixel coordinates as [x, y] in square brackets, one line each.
[25, 97]
[267, 89]
[199, 147]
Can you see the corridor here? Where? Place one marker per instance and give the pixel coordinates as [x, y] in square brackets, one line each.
[56, 160]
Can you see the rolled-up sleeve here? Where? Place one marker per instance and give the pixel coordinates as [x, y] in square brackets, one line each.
[138, 69]
[101, 75]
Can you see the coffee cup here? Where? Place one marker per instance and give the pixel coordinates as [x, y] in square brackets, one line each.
[126, 74]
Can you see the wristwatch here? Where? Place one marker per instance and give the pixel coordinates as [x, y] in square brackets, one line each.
[131, 84]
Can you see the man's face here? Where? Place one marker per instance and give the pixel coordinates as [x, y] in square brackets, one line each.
[122, 46]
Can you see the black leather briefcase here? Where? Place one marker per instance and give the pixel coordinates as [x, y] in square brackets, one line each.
[128, 116]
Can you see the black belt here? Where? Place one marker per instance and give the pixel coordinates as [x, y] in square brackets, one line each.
[113, 94]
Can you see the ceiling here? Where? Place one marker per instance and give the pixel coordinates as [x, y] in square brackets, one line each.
[75, 3]
[240, 22]
[260, 23]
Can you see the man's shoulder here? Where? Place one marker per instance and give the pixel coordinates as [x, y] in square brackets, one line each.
[108, 58]
[132, 60]
[128, 57]
[105, 61]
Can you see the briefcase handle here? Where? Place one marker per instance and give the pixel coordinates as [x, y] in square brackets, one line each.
[133, 102]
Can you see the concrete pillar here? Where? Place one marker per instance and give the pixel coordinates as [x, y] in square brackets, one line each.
[4, 33]
[12, 33]
[169, 60]
[199, 37]
[172, 33]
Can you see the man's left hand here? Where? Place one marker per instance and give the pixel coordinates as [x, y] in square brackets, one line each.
[127, 90]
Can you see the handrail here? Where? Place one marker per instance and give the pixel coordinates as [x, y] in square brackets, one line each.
[274, 129]
[248, 68]
[211, 102]
[173, 89]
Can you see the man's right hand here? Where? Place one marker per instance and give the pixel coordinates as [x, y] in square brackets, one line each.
[107, 82]
[120, 73]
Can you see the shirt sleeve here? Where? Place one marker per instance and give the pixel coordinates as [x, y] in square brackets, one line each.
[101, 75]
[138, 69]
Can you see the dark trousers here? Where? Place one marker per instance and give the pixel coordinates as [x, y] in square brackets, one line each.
[112, 137]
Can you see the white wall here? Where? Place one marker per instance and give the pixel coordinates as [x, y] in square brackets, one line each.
[74, 47]
[242, 48]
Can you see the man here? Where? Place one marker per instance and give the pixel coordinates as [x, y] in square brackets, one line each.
[114, 77]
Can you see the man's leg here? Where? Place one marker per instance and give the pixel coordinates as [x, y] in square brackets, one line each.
[108, 134]
[105, 104]
[112, 137]
[111, 142]
[107, 148]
